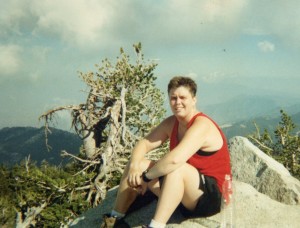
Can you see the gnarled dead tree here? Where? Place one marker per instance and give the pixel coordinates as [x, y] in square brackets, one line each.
[122, 105]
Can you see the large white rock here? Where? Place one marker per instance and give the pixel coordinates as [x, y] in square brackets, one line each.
[251, 165]
[252, 209]
[260, 202]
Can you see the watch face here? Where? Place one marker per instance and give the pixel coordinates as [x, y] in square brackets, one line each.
[145, 178]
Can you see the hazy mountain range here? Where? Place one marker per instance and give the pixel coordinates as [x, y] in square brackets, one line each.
[16, 143]
[246, 107]
[246, 127]
[235, 117]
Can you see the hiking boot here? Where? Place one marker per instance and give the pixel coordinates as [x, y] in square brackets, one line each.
[113, 222]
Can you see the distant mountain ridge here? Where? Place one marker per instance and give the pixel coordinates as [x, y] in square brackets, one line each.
[246, 127]
[16, 143]
[247, 107]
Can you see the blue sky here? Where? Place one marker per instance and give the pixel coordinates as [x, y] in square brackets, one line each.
[230, 47]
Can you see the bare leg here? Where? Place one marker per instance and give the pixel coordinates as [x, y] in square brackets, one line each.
[181, 185]
[126, 195]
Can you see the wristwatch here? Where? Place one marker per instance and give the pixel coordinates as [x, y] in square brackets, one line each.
[144, 177]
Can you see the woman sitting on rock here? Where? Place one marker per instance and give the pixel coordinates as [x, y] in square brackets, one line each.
[190, 175]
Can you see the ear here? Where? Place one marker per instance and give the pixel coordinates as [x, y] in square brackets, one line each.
[195, 99]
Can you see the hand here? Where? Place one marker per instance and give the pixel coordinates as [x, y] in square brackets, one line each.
[144, 187]
[134, 176]
[141, 189]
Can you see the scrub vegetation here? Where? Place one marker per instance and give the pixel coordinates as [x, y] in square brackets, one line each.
[283, 144]
[122, 105]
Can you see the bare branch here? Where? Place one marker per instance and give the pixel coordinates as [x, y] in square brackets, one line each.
[30, 216]
[65, 153]
[85, 168]
[123, 104]
[49, 113]
[83, 188]
[27, 161]
[261, 144]
[47, 116]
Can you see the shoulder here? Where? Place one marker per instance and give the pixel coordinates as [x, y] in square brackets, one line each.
[168, 123]
[206, 126]
[203, 122]
[170, 120]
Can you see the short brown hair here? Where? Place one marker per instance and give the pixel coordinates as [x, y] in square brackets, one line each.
[183, 81]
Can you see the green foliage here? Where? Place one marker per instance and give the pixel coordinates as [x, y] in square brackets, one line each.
[287, 148]
[26, 186]
[283, 145]
[143, 100]
[7, 215]
[132, 83]
[123, 104]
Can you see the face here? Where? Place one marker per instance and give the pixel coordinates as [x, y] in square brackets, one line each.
[181, 101]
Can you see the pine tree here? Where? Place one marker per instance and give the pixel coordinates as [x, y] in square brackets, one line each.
[283, 145]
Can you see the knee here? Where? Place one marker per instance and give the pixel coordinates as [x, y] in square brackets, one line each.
[176, 174]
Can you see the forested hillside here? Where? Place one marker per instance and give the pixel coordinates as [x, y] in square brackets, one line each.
[244, 128]
[16, 143]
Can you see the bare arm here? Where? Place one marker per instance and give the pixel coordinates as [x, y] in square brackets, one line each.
[195, 138]
[157, 136]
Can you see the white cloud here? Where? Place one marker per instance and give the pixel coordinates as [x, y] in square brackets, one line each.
[192, 75]
[13, 15]
[266, 46]
[98, 23]
[213, 77]
[10, 60]
[82, 22]
[88, 23]
[78, 22]
[219, 76]
[284, 21]
[277, 18]
[196, 21]
[206, 11]
[23, 63]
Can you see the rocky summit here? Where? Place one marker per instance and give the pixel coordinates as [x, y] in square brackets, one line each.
[266, 195]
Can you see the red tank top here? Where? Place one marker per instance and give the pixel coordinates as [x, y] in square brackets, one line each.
[216, 165]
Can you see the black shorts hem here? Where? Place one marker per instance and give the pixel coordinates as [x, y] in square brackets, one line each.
[209, 203]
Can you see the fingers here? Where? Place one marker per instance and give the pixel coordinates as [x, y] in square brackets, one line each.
[134, 180]
[141, 189]
[144, 188]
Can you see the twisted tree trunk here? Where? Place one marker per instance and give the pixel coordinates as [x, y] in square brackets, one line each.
[109, 155]
[30, 216]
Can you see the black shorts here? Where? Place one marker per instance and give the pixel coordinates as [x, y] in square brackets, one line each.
[210, 201]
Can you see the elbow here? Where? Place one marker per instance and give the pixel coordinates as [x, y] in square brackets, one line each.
[177, 161]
